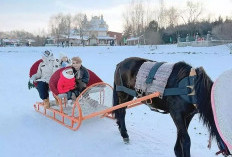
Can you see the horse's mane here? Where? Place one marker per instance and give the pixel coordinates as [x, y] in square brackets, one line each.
[183, 70]
[180, 70]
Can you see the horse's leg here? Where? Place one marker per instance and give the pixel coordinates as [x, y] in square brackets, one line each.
[183, 143]
[177, 148]
[122, 125]
[120, 116]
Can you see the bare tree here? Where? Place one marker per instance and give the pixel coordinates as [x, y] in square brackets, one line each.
[148, 13]
[194, 11]
[79, 24]
[127, 24]
[162, 16]
[55, 24]
[67, 23]
[60, 25]
[134, 18]
[172, 16]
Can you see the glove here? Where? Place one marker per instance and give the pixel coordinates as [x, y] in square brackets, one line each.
[31, 84]
[78, 81]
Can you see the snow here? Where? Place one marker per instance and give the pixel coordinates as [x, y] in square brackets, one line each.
[24, 132]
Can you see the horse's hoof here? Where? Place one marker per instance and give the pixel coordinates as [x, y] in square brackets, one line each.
[126, 140]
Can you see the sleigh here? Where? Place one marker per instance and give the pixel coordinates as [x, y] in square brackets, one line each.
[94, 101]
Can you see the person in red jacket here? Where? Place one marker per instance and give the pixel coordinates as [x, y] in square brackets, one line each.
[66, 84]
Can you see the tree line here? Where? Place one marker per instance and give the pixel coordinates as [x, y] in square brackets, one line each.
[164, 24]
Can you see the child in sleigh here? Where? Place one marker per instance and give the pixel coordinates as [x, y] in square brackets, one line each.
[67, 84]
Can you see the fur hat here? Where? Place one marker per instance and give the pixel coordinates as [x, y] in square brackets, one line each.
[77, 59]
[66, 75]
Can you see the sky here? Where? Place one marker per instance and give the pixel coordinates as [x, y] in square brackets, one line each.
[33, 15]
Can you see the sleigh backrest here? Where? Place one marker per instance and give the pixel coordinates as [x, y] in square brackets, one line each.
[93, 78]
[34, 69]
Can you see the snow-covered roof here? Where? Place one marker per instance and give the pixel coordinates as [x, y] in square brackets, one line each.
[99, 29]
[105, 37]
[133, 38]
[31, 40]
[51, 38]
[11, 40]
[6, 40]
[78, 37]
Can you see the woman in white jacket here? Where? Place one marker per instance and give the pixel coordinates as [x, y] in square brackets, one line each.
[45, 70]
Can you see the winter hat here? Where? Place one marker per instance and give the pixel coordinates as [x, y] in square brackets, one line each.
[47, 54]
[62, 55]
[77, 59]
[66, 75]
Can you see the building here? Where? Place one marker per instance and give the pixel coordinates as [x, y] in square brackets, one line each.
[97, 30]
[136, 40]
[117, 36]
[77, 40]
[93, 33]
[17, 42]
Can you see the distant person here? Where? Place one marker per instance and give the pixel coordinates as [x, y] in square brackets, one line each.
[67, 84]
[81, 74]
[45, 70]
[112, 43]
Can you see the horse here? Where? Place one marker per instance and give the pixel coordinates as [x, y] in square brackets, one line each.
[180, 110]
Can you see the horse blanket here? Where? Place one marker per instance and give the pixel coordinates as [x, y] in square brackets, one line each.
[159, 81]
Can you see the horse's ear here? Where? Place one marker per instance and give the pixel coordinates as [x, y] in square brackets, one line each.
[200, 70]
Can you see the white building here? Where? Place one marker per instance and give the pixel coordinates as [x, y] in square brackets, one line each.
[94, 33]
[96, 29]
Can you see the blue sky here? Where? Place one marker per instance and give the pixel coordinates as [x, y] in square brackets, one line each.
[33, 15]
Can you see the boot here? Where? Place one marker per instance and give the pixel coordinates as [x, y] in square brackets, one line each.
[46, 103]
[57, 101]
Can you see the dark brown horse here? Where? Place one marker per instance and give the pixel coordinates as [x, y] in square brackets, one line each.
[180, 110]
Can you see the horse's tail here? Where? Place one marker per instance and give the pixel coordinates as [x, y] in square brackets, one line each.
[203, 86]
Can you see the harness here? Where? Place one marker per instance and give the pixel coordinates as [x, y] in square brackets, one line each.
[185, 89]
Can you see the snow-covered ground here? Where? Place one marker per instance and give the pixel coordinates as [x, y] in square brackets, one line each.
[24, 132]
